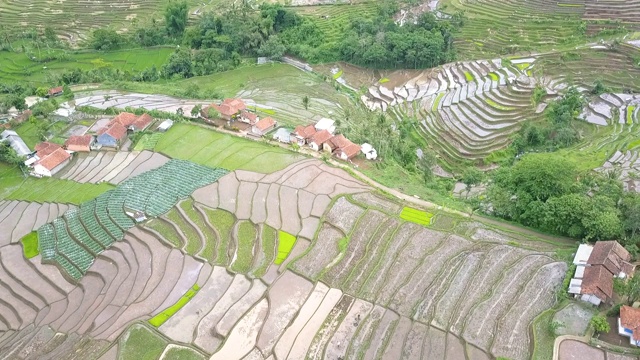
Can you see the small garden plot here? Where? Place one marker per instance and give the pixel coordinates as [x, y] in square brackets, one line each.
[246, 241]
[285, 244]
[30, 245]
[416, 216]
[543, 337]
[182, 353]
[140, 343]
[209, 248]
[344, 214]
[167, 313]
[323, 251]
[194, 243]
[148, 141]
[630, 110]
[167, 231]
[223, 222]
[443, 222]
[268, 250]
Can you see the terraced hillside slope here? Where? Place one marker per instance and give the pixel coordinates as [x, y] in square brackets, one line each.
[285, 265]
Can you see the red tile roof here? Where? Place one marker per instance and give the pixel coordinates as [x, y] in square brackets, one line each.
[597, 280]
[54, 159]
[124, 118]
[249, 116]
[45, 148]
[630, 319]
[339, 141]
[235, 103]
[116, 130]
[84, 140]
[351, 150]
[612, 256]
[320, 137]
[305, 132]
[265, 123]
[56, 90]
[142, 122]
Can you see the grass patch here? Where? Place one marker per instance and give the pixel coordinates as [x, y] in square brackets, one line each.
[495, 105]
[434, 107]
[543, 339]
[140, 343]
[167, 313]
[182, 353]
[167, 231]
[285, 244]
[148, 141]
[214, 149]
[208, 250]
[522, 66]
[268, 248]
[630, 110]
[416, 216]
[244, 254]
[338, 74]
[29, 133]
[14, 186]
[633, 144]
[223, 222]
[383, 80]
[494, 76]
[468, 76]
[193, 239]
[30, 245]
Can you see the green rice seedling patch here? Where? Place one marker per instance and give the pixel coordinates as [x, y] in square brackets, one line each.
[337, 75]
[210, 148]
[416, 216]
[285, 244]
[167, 231]
[223, 222]
[268, 248]
[633, 144]
[148, 141]
[523, 66]
[434, 107]
[182, 353]
[342, 244]
[167, 313]
[140, 343]
[468, 76]
[265, 111]
[630, 110]
[208, 251]
[193, 239]
[383, 80]
[494, 76]
[30, 245]
[495, 105]
[571, 5]
[246, 240]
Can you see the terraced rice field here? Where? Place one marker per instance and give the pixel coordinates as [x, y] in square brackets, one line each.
[303, 262]
[333, 20]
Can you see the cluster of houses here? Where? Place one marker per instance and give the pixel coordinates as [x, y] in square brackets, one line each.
[49, 158]
[319, 137]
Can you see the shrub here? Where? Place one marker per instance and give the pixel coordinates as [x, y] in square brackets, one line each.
[600, 324]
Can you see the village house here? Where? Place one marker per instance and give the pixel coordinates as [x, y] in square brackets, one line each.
[165, 125]
[629, 324]
[318, 139]
[326, 124]
[248, 117]
[56, 91]
[302, 134]
[112, 136]
[369, 152]
[50, 158]
[228, 110]
[596, 267]
[263, 126]
[80, 143]
[132, 122]
[16, 142]
[348, 152]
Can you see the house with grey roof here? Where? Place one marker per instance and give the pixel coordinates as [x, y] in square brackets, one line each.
[16, 142]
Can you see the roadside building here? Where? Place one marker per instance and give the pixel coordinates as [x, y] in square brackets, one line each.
[326, 124]
[80, 143]
[248, 117]
[263, 126]
[629, 324]
[302, 134]
[318, 139]
[50, 158]
[16, 142]
[229, 109]
[56, 91]
[112, 136]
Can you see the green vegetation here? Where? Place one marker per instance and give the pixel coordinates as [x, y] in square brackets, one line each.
[208, 251]
[468, 76]
[337, 75]
[285, 244]
[14, 186]
[630, 110]
[140, 343]
[193, 244]
[214, 149]
[268, 249]
[148, 141]
[600, 324]
[434, 107]
[167, 231]
[383, 80]
[246, 241]
[342, 245]
[182, 353]
[30, 245]
[223, 222]
[495, 105]
[543, 338]
[416, 216]
[494, 77]
[167, 313]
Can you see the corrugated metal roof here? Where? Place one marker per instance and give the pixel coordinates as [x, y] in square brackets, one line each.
[16, 142]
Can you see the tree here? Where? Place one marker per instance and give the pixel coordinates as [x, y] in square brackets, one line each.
[471, 176]
[180, 111]
[425, 165]
[272, 48]
[179, 64]
[106, 39]
[66, 90]
[542, 176]
[628, 288]
[42, 92]
[175, 16]
[600, 324]
[212, 113]
[195, 111]
[16, 101]
[305, 102]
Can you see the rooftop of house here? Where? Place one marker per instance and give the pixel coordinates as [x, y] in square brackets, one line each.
[613, 256]
[630, 319]
[45, 148]
[79, 140]
[115, 130]
[351, 150]
[320, 137]
[249, 115]
[324, 124]
[56, 90]
[339, 141]
[124, 118]
[583, 253]
[54, 159]
[305, 132]
[235, 103]
[142, 121]
[16, 142]
[265, 123]
[597, 281]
